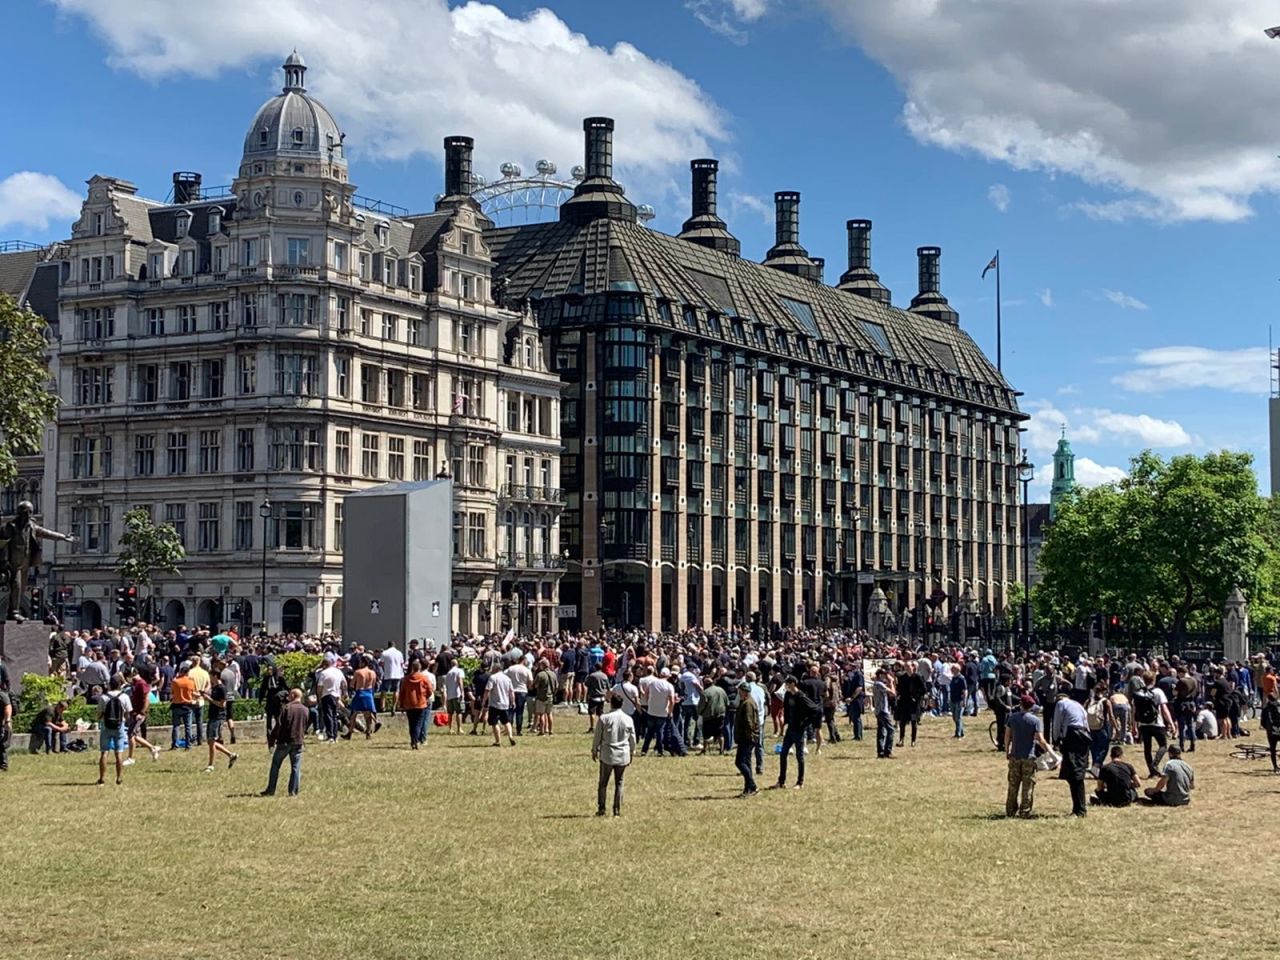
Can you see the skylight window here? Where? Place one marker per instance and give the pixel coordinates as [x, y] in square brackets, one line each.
[804, 316]
[878, 336]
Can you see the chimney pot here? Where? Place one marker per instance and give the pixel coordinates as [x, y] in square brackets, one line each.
[704, 186]
[930, 269]
[599, 146]
[786, 204]
[186, 186]
[457, 166]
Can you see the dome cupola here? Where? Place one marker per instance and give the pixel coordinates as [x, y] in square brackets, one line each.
[293, 125]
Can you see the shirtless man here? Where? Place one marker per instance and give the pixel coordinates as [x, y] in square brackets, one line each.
[363, 683]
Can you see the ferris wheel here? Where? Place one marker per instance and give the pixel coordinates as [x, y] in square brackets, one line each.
[515, 199]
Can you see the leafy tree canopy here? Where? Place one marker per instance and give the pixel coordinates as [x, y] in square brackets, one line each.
[26, 402]
[147, 547]
[1164, 547]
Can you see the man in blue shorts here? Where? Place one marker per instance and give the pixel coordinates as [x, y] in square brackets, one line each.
[113, 715]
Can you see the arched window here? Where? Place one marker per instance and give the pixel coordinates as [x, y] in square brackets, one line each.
[528, 352]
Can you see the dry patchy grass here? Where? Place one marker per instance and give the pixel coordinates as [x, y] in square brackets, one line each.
[469, 852]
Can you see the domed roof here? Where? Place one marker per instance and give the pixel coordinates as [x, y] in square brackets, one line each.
[293, 124]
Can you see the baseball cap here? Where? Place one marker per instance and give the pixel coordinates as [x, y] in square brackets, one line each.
[1027, 701]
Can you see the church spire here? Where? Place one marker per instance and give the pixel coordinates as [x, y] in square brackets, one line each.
[1064, 473]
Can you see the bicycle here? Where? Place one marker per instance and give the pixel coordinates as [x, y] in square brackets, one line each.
[1250, 751]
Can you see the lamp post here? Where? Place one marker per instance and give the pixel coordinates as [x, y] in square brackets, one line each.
[264, 512]
[1026, 472]
[855, 516]
[920, 530]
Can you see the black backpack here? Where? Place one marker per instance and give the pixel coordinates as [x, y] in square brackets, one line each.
[112, 712]
[1145, 710]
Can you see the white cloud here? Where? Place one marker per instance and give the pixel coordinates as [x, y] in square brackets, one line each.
[726, 17]
[1088, 425]
[1046, 297]
[31, 200]
[1181, 368]
[752, 204]
[1100, 89]
[1147, 430]
[1090, 473]
[999, 196]
[402, 74]
[1122, 299]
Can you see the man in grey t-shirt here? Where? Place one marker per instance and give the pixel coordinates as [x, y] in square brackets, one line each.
[1175, 784]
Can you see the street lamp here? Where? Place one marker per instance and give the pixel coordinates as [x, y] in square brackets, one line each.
[855, 516]
[1026, 471]
[264, 512]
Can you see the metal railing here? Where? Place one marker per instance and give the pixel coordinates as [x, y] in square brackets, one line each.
[531, 561]
[529, 491]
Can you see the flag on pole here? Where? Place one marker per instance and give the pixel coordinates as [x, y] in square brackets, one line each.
[993, 265]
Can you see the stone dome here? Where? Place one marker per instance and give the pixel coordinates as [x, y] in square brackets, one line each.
[293, 124]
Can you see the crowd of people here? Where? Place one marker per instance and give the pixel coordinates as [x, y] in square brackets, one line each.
[670, 694]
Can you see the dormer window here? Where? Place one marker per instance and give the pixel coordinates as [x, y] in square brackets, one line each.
[381, 232]
[262, 137]
[183, 223]
[215, 221]
[297, 136]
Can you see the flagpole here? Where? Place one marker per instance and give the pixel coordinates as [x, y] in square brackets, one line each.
[999, 332]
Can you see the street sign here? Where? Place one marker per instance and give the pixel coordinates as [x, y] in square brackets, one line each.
[866, 578]
[567, 611]
[71, 610]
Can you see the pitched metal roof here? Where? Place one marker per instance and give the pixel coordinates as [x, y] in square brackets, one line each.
[16, 271]
[542, 261]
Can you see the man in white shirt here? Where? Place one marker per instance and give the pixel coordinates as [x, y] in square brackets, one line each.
[331, 687]
[521, 680]
[392, 662]
[614, 744]
[1206, 724]
[691, 692]
[501, 695]
[659, 701]
[630, 695]
[455, 682]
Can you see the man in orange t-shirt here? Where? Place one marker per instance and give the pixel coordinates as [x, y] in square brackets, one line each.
[182, 700]
[417, 690]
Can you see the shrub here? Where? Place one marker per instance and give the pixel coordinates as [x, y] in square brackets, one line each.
[40, 691]
[299, 669]
[469, 666]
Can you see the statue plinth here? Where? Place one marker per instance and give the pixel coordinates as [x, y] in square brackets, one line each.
[25, 649]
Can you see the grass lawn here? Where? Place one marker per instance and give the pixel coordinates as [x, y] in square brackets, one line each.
[464, 852]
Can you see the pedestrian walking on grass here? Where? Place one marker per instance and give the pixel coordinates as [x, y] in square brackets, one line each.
[1023, 735]
[1071, 736]
[415, 693]
[286, 739]
[882, 701]
[746, 730]
[796, 714]
[501, 698]
[613, 745]
[216, 715]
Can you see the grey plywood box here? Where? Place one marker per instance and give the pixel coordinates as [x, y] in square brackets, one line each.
[397, 565]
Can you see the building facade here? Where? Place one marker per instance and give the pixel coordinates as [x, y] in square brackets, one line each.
[744, 443]
[235, 361]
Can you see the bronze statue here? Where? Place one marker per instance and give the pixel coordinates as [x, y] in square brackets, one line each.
[20, 539]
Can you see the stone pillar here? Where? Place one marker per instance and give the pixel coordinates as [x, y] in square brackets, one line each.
[1235, 627]
[877, 613]
[24, 647]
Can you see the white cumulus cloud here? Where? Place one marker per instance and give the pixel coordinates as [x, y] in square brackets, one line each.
[1168, 104]
[401, 74]
[728, 17]
[1147, 430]
[1090, 473]
[1181, 368]
[32, 200]
[999, 196]
[1124, 300]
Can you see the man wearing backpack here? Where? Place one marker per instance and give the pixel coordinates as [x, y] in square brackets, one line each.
[113, 711]
[1152, 718]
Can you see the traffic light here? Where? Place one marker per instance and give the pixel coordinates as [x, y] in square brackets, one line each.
[37, 602]
[127, 603]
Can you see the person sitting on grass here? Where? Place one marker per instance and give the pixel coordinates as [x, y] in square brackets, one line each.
[1174, 787]
[1118, 782]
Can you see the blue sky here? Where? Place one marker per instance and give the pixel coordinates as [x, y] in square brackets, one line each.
[1121, 156]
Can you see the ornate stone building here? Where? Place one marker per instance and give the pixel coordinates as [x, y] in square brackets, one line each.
[269, 347]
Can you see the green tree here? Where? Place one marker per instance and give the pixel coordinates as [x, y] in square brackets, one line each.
[1164, 547]
[26, 402]
[147, 547]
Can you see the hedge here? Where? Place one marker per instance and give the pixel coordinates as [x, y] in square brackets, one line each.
[158, 716]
